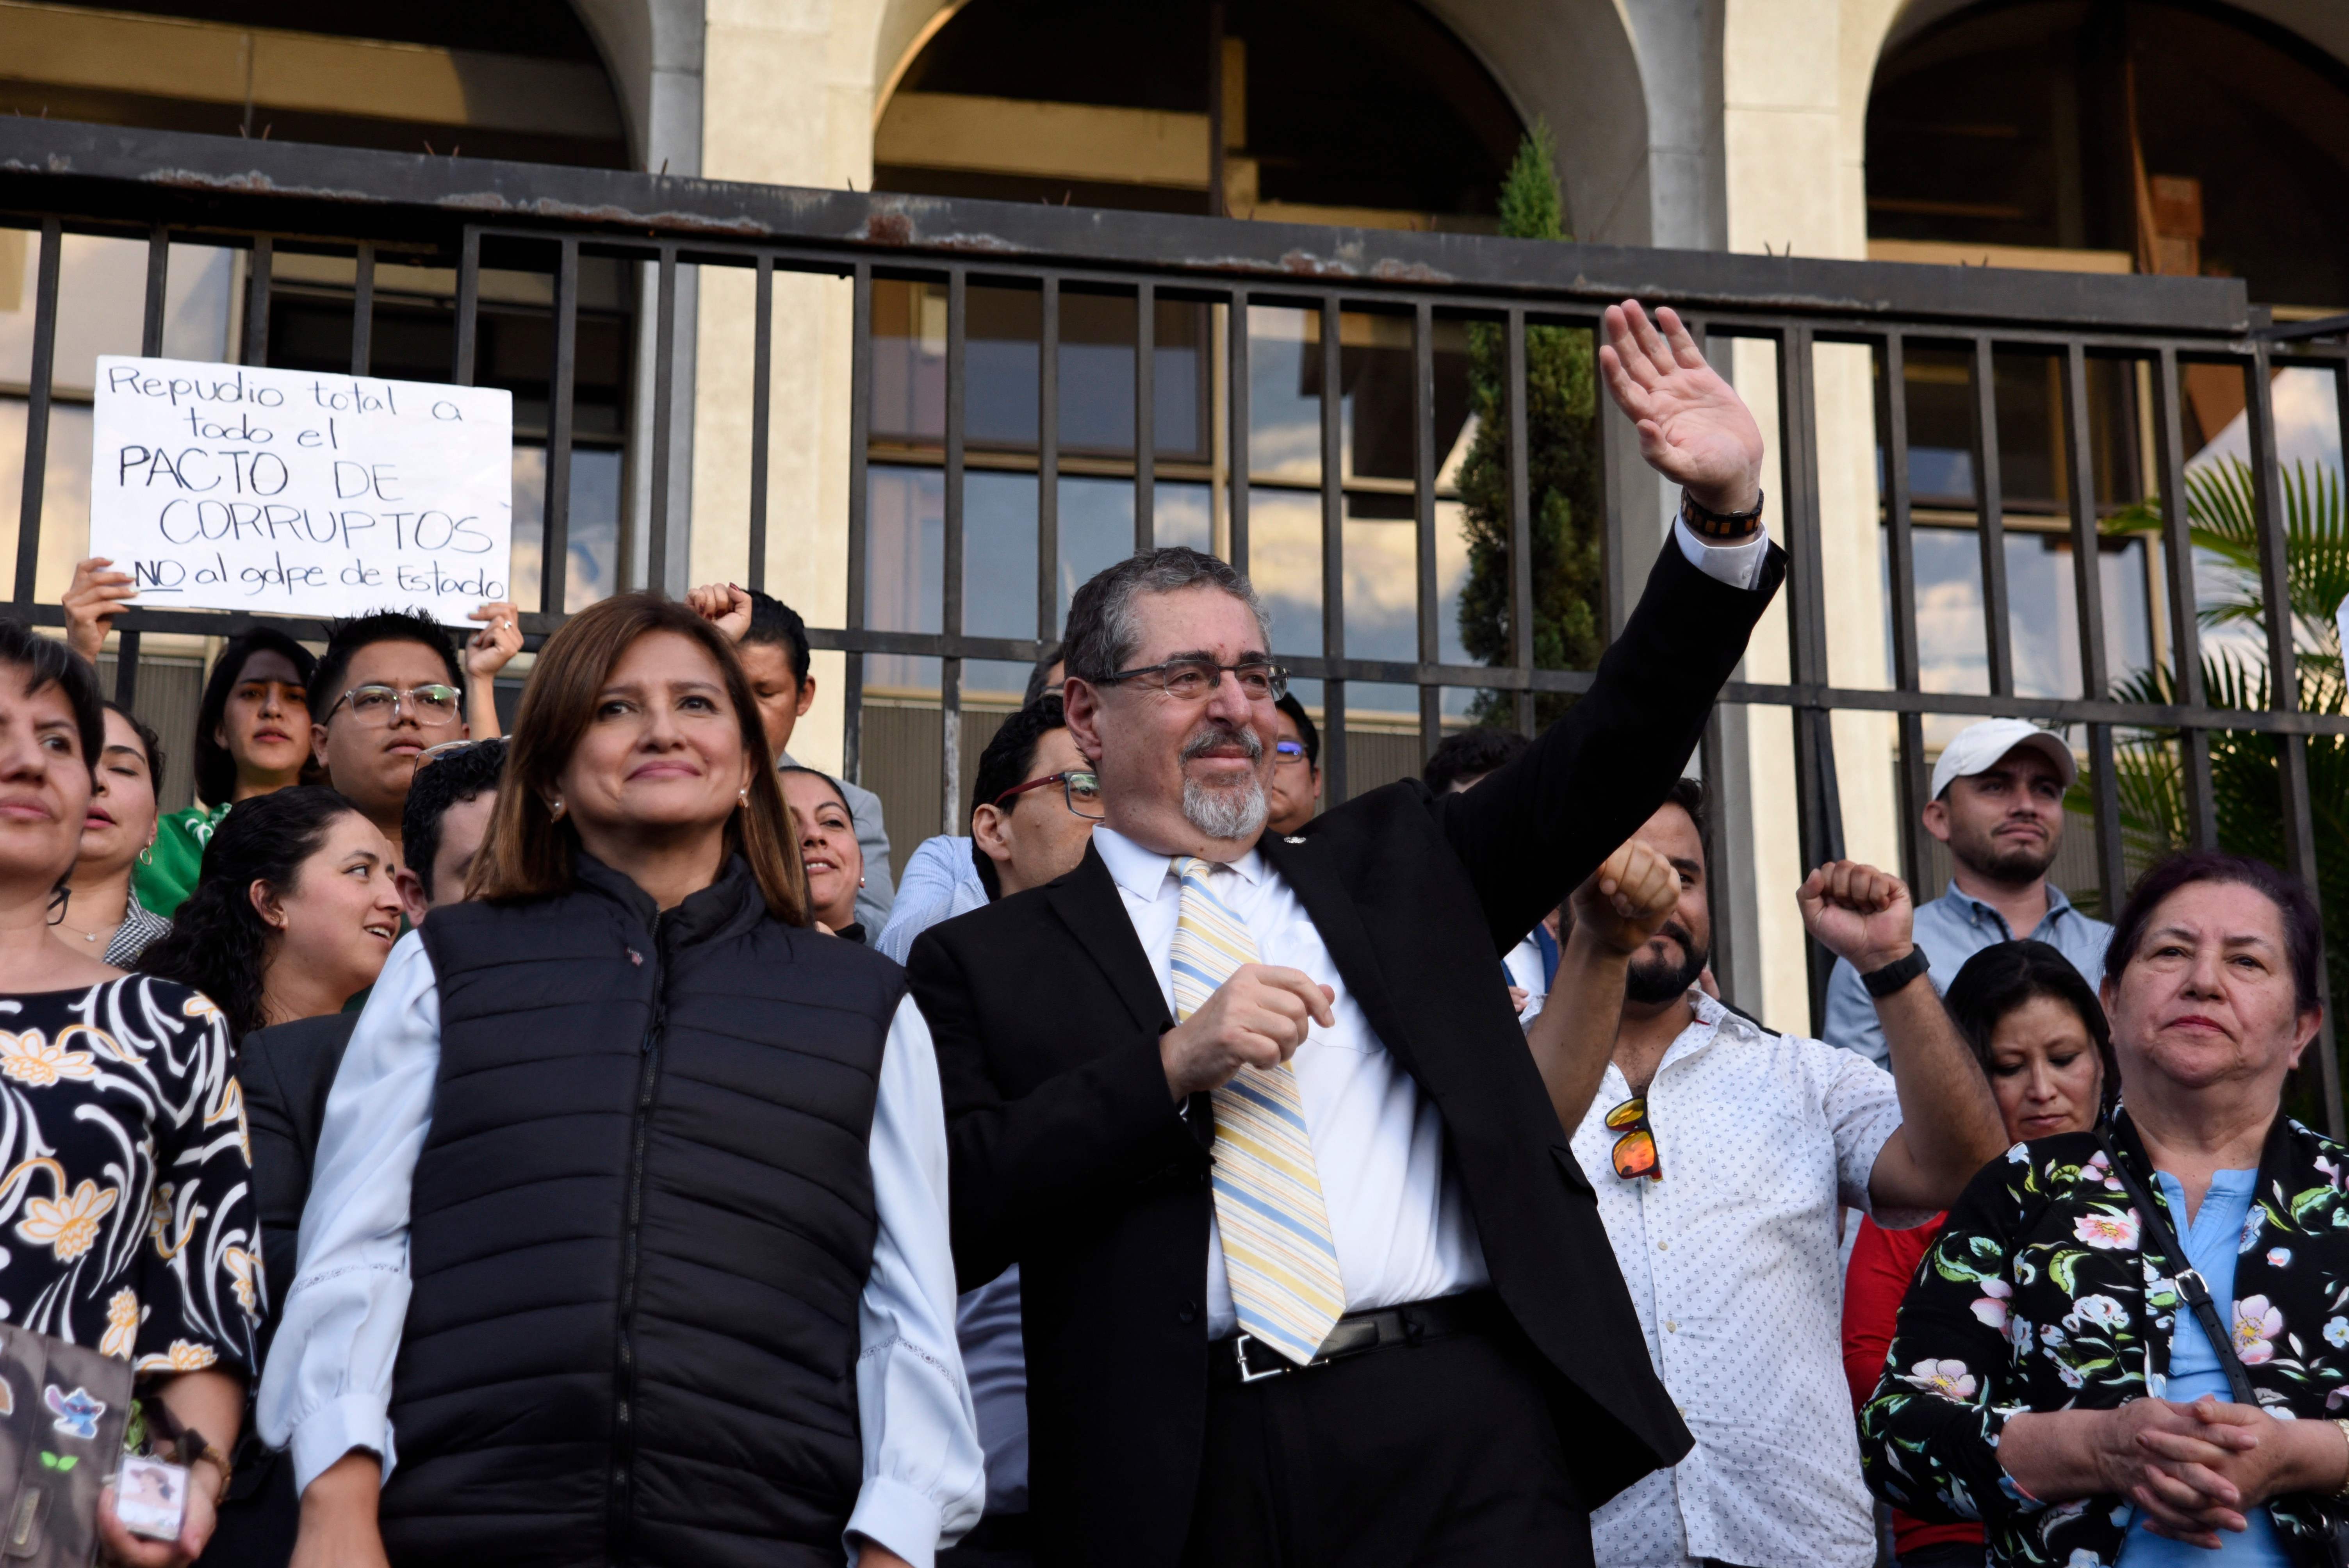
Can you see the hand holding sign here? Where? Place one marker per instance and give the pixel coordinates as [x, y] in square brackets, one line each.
[237, 488]
[92, 600]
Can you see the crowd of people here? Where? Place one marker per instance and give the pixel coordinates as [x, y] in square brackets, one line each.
[568, 1146]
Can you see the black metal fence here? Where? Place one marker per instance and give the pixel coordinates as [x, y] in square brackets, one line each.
[1207, 284]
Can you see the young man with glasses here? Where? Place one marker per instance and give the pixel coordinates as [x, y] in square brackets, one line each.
[388, 686]
[1294, 796]
[1722, 1153]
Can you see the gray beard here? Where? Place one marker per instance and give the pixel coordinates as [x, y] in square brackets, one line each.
[1226, 814]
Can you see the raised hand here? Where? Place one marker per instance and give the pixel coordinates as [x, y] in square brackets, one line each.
[1257, 1018]
[1858, 913]
[492, 647]
[92, 600]
[725, 603]
[1694, 427]
[1628, 898]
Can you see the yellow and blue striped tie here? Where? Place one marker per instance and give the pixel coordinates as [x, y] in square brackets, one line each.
[1278, 1253]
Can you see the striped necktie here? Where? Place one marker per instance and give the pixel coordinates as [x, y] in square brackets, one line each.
[1278, 1253]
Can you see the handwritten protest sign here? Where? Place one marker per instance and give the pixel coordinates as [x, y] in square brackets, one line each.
[229, 486]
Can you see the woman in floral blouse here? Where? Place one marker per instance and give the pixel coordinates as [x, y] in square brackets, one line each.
[126, 1210]
[2046, 1376]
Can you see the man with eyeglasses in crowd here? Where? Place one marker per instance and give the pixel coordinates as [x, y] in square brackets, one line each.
[942, 876]
[1293, 794]
[388, 686]
[1308, 1273]
[1722, 1152]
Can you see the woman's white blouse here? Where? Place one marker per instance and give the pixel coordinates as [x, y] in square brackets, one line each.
[328, 1387]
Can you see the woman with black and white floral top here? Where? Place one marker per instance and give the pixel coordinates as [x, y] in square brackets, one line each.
[2046, 1376]
[126, 1208]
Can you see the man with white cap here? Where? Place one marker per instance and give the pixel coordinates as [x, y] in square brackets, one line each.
[1998, 803]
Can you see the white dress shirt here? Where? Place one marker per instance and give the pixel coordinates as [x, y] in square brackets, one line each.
[1731, 1259]
[327, 1385]
[1402, 1229]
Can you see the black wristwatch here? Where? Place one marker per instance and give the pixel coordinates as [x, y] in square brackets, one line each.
[1702, 520]
[1882, 983]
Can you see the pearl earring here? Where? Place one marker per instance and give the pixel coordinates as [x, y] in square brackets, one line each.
[743, 795]
[555, 809]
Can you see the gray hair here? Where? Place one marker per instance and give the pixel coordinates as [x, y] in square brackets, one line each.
[1104, 633]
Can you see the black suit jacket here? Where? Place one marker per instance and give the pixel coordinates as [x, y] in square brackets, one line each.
[1070, 1157]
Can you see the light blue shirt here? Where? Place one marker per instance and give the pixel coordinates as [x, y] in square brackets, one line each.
[1951, 929]
[941, 882]
[2212, 1243]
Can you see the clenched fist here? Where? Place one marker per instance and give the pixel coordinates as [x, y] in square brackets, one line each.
[1628, 898]
[1858, 913]
[1257, 1018]
[725, 603]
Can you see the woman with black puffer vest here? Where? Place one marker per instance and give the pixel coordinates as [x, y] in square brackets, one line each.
[627, 1237]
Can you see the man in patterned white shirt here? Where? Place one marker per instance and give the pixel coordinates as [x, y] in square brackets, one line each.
[1720, 1153]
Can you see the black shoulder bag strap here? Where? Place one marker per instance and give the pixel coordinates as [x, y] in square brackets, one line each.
[2153, 1228]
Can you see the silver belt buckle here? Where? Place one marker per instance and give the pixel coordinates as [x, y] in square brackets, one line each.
[1280, 1364]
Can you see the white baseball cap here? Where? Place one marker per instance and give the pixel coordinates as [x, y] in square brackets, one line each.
[1979, 747]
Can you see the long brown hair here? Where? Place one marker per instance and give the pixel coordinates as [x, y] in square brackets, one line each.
[532, 853]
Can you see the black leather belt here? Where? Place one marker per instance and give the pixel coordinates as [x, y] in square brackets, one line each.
[1246, 1359]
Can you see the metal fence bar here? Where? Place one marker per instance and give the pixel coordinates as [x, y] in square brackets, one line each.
[860, 442]
[1048, 467]
[127, 639]
[1422, 469]
[664, 419]
[1145, 417]
[257, 281]
[2292, 751]
[363, 308]
[1521, 531]
[158, 276]
[1990, 519]
[2088, 599]
[1817, 792]
[1892, 420]
[562, 387]
[1243, 465]
[762, 367]
[468, 305]
[37, 411]
[950, 667]
[1712, 761]
[2185, 624]
[1333, 548]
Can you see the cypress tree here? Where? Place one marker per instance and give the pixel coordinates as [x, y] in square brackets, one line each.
[1562, 472]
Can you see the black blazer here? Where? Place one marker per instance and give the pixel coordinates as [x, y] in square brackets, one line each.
[1069, 1158]
[284, 1074]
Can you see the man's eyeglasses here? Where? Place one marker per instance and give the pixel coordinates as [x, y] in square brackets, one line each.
[376, 706]
[1194, 680]
[1288, 751]
[1079, 786]
[1635, 1150]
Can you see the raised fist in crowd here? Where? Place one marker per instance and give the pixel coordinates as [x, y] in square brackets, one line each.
[1858, 913]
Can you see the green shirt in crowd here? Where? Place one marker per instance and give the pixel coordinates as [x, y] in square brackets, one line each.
[166, 874]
